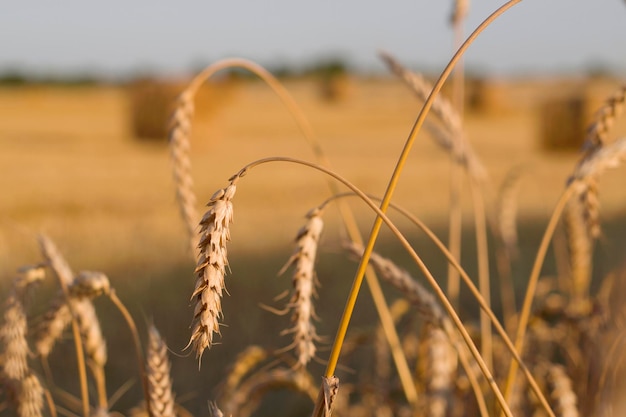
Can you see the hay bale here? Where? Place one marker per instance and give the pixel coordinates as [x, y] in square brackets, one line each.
[486, 96]
[563, 121]
[334, 88]
[151, 103]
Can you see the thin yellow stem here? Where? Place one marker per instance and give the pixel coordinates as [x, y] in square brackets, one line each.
[482, 251]
[99, 376]
[455, 216]
[524, 315]
[455, 221]
[78, 345]
[351, 301]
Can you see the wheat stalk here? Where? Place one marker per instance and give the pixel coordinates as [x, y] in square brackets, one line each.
[459, 11]
[158, 373]
[453, 139]
[211, 268]
[304, 283]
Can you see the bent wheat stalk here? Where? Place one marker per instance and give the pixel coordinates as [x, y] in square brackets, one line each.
[65, 276]
[358, 279]
[180, 132]
[453, 139]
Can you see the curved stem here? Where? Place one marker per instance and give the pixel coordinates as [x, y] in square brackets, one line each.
[524, 315]
[274, 84]
[484, 283]
[350, 303]
[455, 216]
[138, 351]
[78, 345]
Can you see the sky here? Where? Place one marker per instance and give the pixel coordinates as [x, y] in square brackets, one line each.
[119, 37]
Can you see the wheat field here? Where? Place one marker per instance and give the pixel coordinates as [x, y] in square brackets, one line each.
[79, 185]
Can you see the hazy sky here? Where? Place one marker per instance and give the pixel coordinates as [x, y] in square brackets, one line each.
[117, 37]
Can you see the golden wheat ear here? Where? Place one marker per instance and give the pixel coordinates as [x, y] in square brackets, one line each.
[15, 350]
[304, 288]
[22, 386]
[211, 268]
[158, 367]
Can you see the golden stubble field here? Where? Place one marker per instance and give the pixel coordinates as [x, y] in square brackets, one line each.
[71, 169]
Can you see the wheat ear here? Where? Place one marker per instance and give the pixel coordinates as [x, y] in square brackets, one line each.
[31, 397]
[52, 325]
[86, 286]
[580, 250]
[450, 137]
[597, 133]
[211, 268]
[586, 173]
[15, 351]
[158, 372]
[304, 283]
[561, 392]
[439, 366]
[179, 134]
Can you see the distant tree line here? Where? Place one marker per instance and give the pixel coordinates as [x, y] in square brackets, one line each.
[321, 68]
[20, 78]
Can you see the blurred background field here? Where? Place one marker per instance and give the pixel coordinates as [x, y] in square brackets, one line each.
[73, 167]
